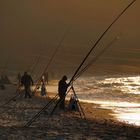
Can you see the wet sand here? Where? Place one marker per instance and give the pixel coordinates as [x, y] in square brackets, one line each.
[62, 125]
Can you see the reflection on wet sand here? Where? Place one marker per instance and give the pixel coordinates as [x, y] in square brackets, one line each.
[121, 94]
[123, 111]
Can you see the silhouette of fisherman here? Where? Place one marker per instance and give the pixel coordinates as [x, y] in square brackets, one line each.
[62, 89]
[27, 81]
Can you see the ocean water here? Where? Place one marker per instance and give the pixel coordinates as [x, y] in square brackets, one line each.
[119, 93]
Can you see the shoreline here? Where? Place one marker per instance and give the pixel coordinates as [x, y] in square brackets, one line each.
[99, 124]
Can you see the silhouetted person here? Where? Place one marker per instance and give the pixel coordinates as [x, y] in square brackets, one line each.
[62, 89]
[27, 81]
[43, 89]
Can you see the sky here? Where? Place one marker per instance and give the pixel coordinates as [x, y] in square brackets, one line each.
[33, 28]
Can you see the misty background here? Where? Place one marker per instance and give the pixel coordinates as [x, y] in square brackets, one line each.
[32, 29]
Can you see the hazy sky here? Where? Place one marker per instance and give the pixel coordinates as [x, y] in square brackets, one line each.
[35, 27]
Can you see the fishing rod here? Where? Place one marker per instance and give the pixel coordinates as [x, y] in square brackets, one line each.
[44, 71]
[86, 67]
[51, 113]
[51, 60]
[43, 109]
[95, 58]
[99, 39]
[18, 88]
[80, 107]
[96, 43]
[17, 92]
[36, 63]
[46, 68]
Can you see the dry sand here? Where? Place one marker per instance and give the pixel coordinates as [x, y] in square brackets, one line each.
[63, 125]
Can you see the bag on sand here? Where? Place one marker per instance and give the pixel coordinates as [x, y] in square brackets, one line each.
[73, 105]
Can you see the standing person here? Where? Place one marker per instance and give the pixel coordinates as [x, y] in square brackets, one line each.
[27, 81]
[43, 87]
[62, 89]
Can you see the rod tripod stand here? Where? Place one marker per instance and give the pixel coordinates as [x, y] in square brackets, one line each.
[81, 111]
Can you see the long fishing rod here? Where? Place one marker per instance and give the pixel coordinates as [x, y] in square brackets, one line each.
[35, 64]
[39, 113]
[18, 88]
[51, 113]
[44, 71]
[43, 109]
[51, 60]
[96, 43]
[81, 111]
[102, 35]
[95, 58]
[46, 68]
[14, 97]
[94, 46]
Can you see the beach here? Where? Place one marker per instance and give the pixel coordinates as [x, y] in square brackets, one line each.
[62, 125]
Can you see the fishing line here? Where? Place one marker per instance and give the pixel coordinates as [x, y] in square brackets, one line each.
[99, 39]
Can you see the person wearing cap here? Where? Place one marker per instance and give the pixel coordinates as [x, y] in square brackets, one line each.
[62, 89]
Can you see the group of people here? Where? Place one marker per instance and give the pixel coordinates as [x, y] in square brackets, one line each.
[27, 81]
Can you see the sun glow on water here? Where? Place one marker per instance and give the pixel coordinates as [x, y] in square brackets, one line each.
[120, 94]
[123, 111]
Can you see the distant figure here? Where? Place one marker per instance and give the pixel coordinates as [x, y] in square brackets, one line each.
[27, 81]
[62, 89]
[43, 89]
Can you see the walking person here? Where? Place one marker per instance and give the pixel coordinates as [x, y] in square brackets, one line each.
[26, 81]
[43, 87]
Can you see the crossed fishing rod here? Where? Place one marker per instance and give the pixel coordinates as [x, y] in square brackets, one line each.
[77, 73]
[81, 112]
[17, 92]
[56, 98]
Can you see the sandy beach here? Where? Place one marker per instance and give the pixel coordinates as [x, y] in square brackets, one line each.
[62, 125]
[91, 47]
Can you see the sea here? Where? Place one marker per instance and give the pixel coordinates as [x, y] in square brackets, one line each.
[120, 93]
